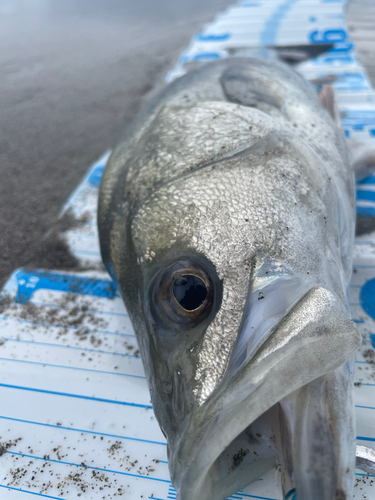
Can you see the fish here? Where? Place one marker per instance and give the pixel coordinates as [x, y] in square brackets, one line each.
[226, 217]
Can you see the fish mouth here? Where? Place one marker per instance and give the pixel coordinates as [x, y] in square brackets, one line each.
[297, 351]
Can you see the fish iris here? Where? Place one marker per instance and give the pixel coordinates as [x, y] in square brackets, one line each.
[189, 291]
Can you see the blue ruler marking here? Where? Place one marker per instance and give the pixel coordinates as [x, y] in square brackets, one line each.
[74, 328]
[77, 396]
[99, 351]
[12, 360]
[89, 467]
[271, 26]
[85, 431]
[30, 282]
[30, 492]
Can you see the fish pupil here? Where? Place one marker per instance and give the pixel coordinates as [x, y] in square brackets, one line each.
[189, 291]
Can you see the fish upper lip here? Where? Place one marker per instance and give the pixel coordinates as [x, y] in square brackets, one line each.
[270, 376]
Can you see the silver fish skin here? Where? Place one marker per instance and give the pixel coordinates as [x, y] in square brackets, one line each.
[226, 217]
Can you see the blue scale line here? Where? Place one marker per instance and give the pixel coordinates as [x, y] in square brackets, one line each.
[365, 438]
[49, 325]
[12, 419]
[372, 385]
[30, 282]
[358, 320]
[71, 367]
[366, 407]
[30, 492]
[365, 195]
[84, 235]
[77, 396]
[71, 347]
[366, 181]
[253, 496]
[57, 306]
[367, 211]
[271, 26]
[85, 252]
[154, 498]
[89, 467]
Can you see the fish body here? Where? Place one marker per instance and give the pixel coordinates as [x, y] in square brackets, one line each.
[226, 216]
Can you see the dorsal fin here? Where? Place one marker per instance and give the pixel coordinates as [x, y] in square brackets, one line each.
[327, 98]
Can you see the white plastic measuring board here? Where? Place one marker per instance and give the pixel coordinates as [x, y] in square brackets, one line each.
[76, 418]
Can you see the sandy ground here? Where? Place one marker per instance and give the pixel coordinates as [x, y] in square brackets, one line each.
[72, 74]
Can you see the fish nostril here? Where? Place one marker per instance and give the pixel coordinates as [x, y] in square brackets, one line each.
[189, 291]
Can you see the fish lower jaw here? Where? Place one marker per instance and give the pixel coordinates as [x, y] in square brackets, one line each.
[212, 458]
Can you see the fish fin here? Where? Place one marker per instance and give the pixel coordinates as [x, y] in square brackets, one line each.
[290, 54]
[364, 225]
[327, 97]
[297, 54]
[365, 459]
[362, 160]
[324, 80]
[241, 87]
[318, 438]
[363, 165]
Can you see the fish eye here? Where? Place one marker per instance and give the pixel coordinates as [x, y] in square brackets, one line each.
[189, 291]
[182, 295]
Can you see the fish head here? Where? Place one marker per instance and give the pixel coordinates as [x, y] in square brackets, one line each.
[225, 270]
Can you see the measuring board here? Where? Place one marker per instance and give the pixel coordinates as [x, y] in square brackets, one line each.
[76, 418]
